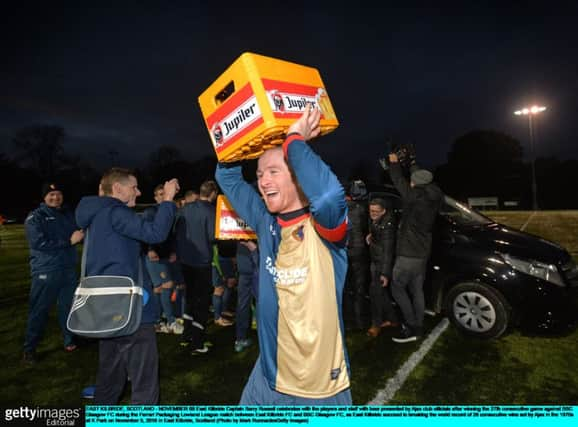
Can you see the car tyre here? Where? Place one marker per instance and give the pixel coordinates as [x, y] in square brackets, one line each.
[477, 310]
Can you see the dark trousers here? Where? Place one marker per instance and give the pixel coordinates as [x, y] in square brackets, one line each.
[247, 289]
[199, 288]
[48, 288]
[354, 295]
[408, 277]
[135, 357]
[381, 306]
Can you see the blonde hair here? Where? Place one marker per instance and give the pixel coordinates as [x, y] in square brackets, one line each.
[111, 176]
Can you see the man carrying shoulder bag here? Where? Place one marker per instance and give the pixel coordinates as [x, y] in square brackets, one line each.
[113, 249]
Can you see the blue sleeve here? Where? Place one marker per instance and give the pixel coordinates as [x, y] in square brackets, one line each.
[242, 196]
[126, 222]
[149, 213]
[319, 184]
[37, 237]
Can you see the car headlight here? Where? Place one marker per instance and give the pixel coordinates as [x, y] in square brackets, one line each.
[547, 272]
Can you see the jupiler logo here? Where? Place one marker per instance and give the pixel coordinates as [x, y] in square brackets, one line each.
[290, 102]
[235, 122]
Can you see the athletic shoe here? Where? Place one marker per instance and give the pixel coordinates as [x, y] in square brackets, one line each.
[221, 321]
[29, 358]
[241, 345]
[162, 328]
[70, 348]
[88, 392]
[406, 334]
[180, 320]
[201, 350]
[228, 314]
[175, 328]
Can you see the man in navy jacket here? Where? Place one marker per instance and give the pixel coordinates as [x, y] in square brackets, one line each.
[52, 234]
[114, 249]
[195, 234]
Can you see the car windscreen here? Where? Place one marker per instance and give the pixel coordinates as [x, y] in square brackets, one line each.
[461, 214]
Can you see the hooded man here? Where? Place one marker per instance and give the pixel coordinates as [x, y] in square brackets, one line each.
[114, 249]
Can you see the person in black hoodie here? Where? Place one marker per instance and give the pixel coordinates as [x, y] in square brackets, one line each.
[114, 249]
[355, 292]
[421, 202]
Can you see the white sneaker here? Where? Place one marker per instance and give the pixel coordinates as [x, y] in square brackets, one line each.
[175, 328]
[161, 328]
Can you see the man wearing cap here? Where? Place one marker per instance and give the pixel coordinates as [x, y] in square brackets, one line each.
[421, 202]
[52, 233]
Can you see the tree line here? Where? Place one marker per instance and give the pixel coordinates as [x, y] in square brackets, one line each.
[481, 163]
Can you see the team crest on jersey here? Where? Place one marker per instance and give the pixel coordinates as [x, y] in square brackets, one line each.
[335, 373]
[298, 233]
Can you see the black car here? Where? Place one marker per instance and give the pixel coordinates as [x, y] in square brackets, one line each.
[487, 277]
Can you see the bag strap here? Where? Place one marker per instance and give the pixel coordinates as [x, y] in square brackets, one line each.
[84, 251]
[83, 262]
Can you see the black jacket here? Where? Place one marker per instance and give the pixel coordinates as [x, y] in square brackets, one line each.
[382, 243]
[420, 208]
[357, 229]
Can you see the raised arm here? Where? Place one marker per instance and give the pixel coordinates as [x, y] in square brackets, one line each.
[125, 221]
[396, 174]
[318, 182]
[242, 196]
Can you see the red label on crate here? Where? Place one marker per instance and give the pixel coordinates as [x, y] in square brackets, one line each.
[237, 116]
[229, 224]
[289, 99]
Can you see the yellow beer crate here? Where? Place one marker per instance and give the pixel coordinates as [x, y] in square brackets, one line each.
[228, 224]
[250, 106]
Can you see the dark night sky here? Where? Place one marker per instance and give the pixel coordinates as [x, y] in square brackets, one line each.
[127, 77]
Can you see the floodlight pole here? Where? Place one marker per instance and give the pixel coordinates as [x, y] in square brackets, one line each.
[530, 112]
[534, 187]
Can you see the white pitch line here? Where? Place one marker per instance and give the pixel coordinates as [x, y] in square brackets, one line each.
[393, 384]
[528, 221]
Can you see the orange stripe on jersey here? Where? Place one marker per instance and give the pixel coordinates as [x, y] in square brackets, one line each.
[290, 138]
[287, 223]
[332, 234]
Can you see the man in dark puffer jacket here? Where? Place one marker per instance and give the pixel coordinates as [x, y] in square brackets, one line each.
[381, 242]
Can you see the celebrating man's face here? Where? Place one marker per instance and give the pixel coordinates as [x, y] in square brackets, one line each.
[276, 183]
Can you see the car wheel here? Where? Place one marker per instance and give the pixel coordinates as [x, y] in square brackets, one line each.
[477, 310]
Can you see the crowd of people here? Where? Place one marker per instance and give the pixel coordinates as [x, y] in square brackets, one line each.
[316, 250]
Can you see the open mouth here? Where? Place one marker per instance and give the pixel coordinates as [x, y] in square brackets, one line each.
[270, 195]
